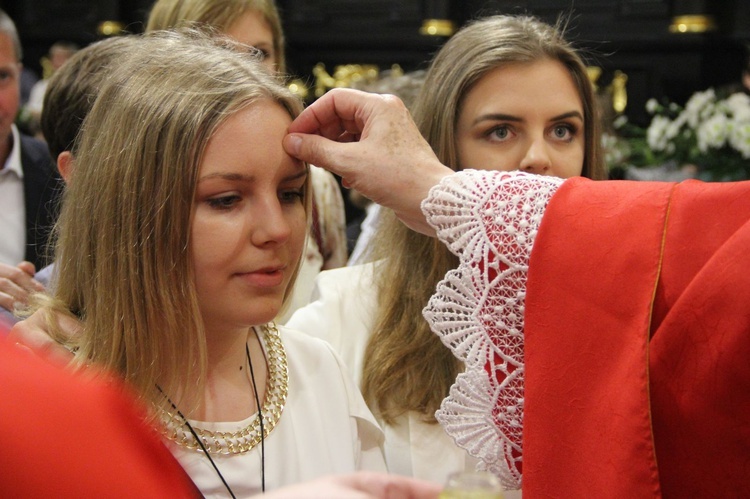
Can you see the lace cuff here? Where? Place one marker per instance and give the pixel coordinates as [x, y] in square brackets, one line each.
[490, 220]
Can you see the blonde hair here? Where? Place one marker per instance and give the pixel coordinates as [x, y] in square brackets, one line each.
[124, 232]
[217, 14]
[406, 367]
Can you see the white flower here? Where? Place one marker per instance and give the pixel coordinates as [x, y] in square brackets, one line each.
[616, 150]
[706, 128]
[620, 121]
[712, 133]
[737, 101]
[699, 107]
[676, 127]
[739, 138]
[656, 133]
[738, 105]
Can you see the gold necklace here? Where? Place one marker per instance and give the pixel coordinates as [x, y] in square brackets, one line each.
[244, 439]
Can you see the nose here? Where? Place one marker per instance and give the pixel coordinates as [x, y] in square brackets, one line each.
[537, 158]
[271, 226]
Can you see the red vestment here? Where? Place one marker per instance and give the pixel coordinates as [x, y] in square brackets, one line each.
[66, 435]
[637, 342]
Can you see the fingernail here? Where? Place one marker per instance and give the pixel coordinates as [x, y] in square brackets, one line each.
[293, 144]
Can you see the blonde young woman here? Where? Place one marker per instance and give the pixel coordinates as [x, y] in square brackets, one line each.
[505, 93]
[180, 237]
[256, 23]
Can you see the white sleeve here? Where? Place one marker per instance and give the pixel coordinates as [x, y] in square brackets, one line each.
[489, 219]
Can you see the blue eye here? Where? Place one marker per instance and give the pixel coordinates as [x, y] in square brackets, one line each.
[500, 132]
[564, 132]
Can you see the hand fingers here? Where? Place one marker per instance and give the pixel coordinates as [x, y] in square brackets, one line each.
[13, 278]
[12, 295]
[33, 333]
[325, 115]
[27, 267]
[360, 485]
[316, 150]
[391, 486]
[7, 301]
[42, 345]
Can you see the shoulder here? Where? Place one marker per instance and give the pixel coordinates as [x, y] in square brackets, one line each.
[313, 361]
[311, 356]
[342, 300]
[308, 349]
[295, 338]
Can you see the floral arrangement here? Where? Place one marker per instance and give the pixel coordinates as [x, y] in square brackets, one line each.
[710, 133]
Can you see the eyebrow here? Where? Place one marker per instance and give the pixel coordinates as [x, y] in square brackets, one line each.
[249, 178]
[301, 174]
[510, 117]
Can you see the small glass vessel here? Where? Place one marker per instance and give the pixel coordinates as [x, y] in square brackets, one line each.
[472, 485]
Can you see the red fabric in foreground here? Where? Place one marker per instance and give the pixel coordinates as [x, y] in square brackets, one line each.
[65, 435]
[638, 342]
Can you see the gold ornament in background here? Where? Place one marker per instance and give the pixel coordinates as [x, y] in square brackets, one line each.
[299, 88]
[437, 27]
[594, 72]
[692, 24]
[110, 28]
[343, 76]
[617, 89]
[619, 92]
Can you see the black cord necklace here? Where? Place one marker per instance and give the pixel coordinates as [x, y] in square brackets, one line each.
[260, 420]
[262, 433]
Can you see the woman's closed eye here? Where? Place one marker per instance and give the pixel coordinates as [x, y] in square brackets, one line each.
[290, 196]
[224, 202]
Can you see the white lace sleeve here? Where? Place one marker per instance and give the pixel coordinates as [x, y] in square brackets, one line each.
[489, 219]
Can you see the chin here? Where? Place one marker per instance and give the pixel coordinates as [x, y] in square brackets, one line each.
[263, 312]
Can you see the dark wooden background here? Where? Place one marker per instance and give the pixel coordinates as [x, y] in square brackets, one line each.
[627, 35]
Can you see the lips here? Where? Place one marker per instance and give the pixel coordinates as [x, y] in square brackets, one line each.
[269, 277]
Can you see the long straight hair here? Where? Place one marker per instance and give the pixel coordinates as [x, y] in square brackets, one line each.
[124, 232]
[406, 367]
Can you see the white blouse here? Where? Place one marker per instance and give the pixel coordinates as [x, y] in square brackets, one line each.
[343, 313]
[325, 428]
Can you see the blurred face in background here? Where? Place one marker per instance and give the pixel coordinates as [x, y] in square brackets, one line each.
[251, 28]
[523, 116]
[10, 70]
[58, 56]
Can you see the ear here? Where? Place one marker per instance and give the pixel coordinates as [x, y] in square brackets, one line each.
[65, 165]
